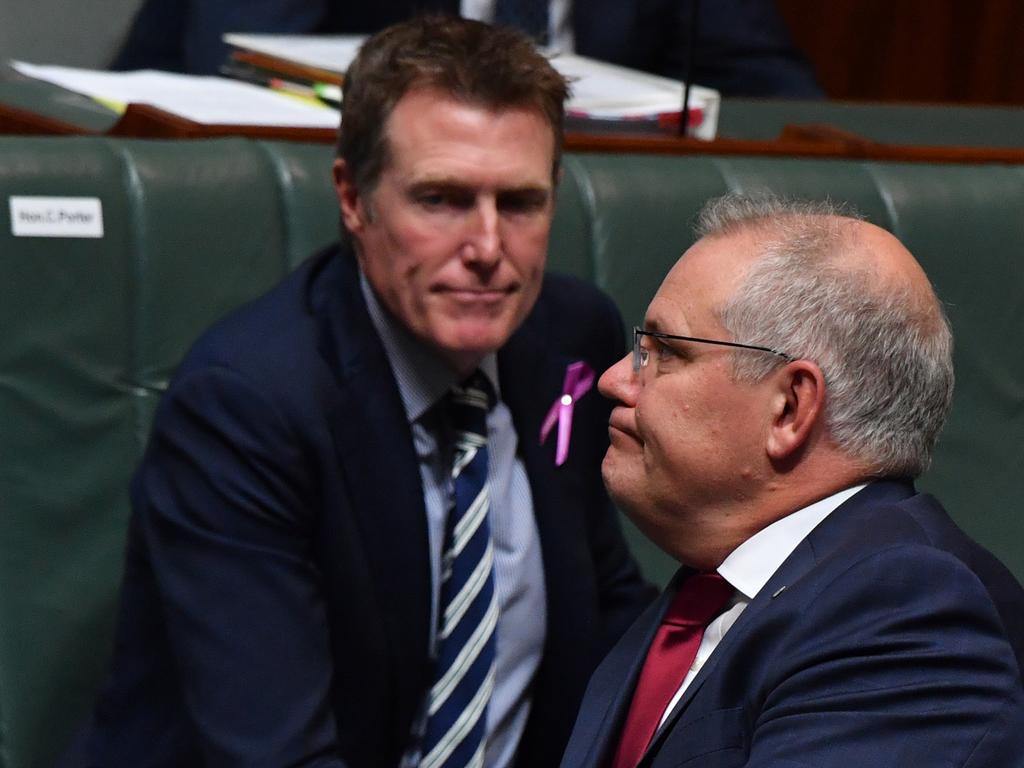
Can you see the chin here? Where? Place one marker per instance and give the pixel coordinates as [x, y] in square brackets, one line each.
[476, 338]
[617, 482]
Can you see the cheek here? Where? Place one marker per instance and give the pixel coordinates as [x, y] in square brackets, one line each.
[526, 244]
[410, 237]
[680, 438]
[663, 427]
[410, 264]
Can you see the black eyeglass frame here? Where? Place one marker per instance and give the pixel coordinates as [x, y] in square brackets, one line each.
[640, 354]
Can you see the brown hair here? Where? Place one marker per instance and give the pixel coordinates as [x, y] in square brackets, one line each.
[493, 67]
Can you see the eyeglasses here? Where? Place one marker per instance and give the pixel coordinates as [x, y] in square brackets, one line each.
[641, 354]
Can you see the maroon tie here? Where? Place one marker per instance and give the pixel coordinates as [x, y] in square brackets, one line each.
[699, 599]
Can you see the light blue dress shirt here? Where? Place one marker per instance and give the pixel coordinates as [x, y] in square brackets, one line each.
[423, 380]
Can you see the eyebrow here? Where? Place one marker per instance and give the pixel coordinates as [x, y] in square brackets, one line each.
[655, 325]
[449, 182]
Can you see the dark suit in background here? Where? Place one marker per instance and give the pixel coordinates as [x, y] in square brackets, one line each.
[742, 46]
[276, 606]
[845, 655]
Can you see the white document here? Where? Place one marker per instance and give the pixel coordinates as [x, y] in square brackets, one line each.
[608, 91]
[205, 100]
[599, 89]
[330, 52]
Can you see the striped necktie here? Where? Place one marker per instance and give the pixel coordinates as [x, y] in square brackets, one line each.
[468, 610]
[530, 16]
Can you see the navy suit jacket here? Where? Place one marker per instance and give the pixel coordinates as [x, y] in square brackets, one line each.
[887, 638]
[276, 599]
[742, 47]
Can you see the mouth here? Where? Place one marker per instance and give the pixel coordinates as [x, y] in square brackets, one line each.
[618, 424]
[476, 295]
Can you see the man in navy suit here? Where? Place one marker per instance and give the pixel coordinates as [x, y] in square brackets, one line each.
[791, 378]
[281, 599]
[741, 47]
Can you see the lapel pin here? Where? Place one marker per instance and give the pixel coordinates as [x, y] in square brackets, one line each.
[778, 592]
[579, 378]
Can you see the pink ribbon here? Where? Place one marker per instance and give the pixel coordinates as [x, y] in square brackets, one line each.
[579, 378]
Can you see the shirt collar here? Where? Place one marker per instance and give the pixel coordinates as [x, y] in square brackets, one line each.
[423, 377]
[749, 567]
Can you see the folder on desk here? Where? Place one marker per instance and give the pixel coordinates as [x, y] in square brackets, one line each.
[301, 76]
[601, 92]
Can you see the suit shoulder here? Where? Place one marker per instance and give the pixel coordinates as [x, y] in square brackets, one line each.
[271, 333]
[572, 307]
[922, 557]
[921, 524]
[572, 294]
[911, 539]
[576, 319]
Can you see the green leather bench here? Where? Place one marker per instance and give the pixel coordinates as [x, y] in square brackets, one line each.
[915, 124]
[93, 326]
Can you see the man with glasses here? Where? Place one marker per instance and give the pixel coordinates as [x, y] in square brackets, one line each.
[791, 378]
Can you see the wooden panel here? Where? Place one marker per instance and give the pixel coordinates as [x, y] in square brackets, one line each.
[913, 50]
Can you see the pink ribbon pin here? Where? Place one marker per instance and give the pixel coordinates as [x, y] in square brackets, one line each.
[579, 378]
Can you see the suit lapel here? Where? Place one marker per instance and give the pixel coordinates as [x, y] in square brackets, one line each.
[821, 541]
[532, 375]
[800, 561]
[613, 684]
[379, 465]
[531, 380]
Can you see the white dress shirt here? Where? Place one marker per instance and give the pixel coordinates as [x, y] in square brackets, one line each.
[750, 566]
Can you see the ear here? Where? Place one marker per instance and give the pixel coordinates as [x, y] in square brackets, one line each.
[353, 210]
[798, 409]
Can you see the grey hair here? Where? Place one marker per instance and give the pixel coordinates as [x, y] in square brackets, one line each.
[886, 352]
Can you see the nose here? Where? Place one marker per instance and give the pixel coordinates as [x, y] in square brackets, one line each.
[620, 382]
[483, 240]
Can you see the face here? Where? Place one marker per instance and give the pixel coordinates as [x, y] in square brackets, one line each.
[687, 442]
[453, 238]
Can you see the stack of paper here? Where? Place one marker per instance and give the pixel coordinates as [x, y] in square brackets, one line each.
[609, 92]
[293, 82]
[204, 100]
[327, 56]
[599, 90]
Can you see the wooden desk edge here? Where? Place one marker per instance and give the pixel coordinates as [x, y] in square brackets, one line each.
[825, 142]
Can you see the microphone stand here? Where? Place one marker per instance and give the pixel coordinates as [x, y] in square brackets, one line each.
[684, 117]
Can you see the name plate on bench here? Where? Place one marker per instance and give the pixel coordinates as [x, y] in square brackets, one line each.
[36, 216]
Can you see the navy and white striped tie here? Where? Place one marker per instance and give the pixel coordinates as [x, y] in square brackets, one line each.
[464, 673]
